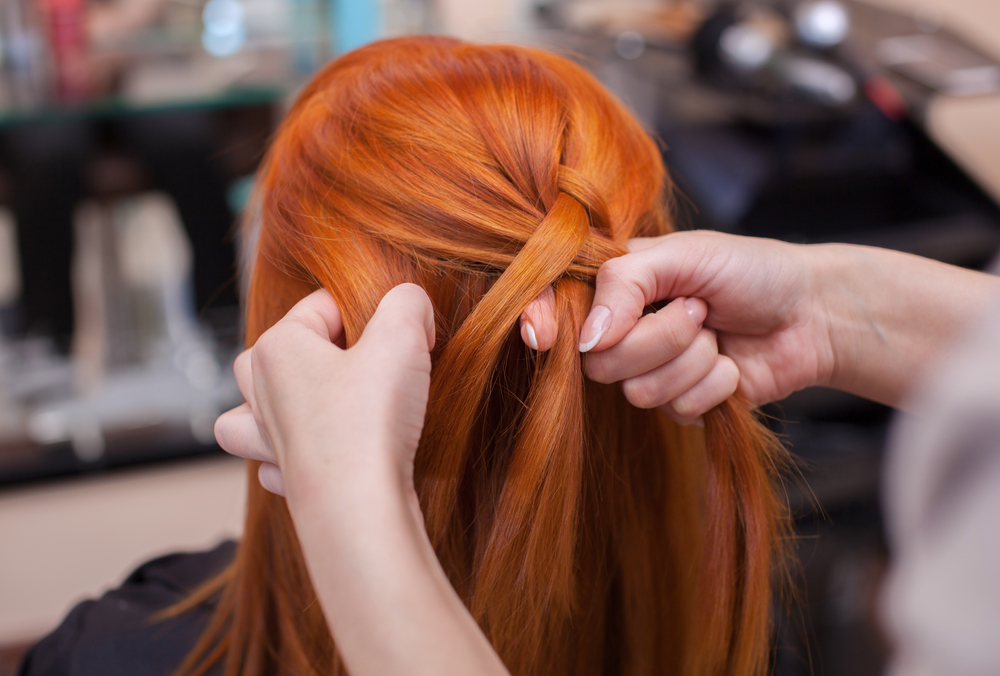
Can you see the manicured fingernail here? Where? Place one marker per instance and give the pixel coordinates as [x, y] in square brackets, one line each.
[594, 327]
[696, 308]
[530, 331]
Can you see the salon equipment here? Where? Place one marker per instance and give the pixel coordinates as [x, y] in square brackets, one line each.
[821, 23]
[760, 50]
[781, 121]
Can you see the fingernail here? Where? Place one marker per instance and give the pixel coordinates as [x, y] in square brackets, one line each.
[696, 308]
[530, 330]
[594, 327]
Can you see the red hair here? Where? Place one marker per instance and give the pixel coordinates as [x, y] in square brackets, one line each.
[586, 536]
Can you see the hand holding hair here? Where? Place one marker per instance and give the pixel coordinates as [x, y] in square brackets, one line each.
[336, 431]
[294, 375]
[754, 303]
[785, 317]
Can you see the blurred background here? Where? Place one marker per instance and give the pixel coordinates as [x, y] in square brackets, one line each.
[130, 131]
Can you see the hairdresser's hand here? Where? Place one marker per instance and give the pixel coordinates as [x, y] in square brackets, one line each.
[317, 410]
[752, 324]
[784, 317]
[740, 317]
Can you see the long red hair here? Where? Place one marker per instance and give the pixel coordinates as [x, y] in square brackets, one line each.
[586, 536]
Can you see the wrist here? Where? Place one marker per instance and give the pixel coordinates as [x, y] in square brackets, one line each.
[823, 268]
[385, 596]
[833, 305]
[888, 315]
[356, 519]
[344, 480]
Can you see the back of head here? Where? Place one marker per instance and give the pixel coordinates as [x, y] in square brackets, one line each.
[586, 536]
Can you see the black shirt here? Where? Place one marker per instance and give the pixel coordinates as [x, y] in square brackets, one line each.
[114, 635]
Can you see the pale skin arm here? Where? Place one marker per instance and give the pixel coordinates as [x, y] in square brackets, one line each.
[337, 431]
[385, 597]
[780, 317]
[890, 314]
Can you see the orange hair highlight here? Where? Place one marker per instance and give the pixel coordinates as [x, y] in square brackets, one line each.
[586, 536]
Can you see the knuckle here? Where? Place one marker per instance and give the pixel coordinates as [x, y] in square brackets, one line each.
[259, 356]
[597, 368]
[706, 345]
[610, 271]
[731, 374]
[671, 336]
[267, 347]
[229, 433]
[604, 367]
[222, 432]
[264, 344]
[639, 393]
[718, 386]
[242, 361]
[685, 409]
[622, 287]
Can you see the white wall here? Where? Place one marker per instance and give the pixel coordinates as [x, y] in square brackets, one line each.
[69, 540]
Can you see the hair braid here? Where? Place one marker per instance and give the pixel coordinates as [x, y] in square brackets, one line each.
[470, 363]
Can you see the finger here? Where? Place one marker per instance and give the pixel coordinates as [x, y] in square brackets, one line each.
[538, 321]
[665, 267]
[404, 320]
[640, 243]
[243, 368]
[720, 384]
[270, 478]
[655, 340]
[319, 312]
[238, 434]
[673, 379]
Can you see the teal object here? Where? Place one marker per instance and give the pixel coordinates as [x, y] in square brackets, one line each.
[239, 192]
[306, 32]
[355, 23]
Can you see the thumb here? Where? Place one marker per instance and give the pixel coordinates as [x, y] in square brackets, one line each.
[319, 313]
[655, 269]
[403, 323]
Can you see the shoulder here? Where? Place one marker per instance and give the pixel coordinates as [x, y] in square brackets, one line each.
[941, 599]
[954, 440]
[116, 635]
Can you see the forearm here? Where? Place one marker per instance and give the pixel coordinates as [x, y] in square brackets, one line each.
[387, 601]
[890, 314]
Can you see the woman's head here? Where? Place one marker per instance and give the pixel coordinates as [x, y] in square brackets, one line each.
[586, 536]
[432, 159]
